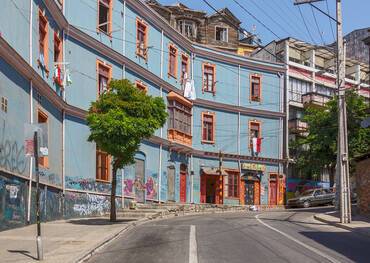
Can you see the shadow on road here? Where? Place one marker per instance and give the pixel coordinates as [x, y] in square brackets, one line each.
[98, 221]
[340, 242]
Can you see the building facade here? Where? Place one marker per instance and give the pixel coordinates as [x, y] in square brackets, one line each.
[225, 146]
[311, 80]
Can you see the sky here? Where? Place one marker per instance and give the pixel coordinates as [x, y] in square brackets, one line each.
[284, 19]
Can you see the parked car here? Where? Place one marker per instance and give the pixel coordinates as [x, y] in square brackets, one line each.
[313, 197]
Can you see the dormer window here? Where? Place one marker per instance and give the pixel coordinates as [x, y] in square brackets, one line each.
[187, 28]
[221, 34]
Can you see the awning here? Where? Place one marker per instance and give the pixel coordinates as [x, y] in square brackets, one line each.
[214, 171]
[250, 177]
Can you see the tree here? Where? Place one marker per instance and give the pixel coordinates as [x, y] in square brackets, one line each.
[318, 150]
[119, 120]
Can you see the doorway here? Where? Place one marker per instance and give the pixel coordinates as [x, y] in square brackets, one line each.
[273, 189]
[183, 173]
[139, 180]
[171, 183]
[249, 193]
[211, 189]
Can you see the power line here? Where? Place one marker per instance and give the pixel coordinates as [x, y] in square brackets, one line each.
[305, 24]
[330, 22]
[317, 26]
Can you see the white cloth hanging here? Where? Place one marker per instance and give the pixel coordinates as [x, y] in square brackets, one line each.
[193, 95]
[187, 89]
[67, 78]
[254, 145]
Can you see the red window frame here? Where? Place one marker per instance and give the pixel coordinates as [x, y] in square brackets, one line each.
[141, 86]
[233, 185]
[104, 73]
[141, 38]
[255, 87]
[184, 66]
[209, 75]
[105, 27]
[172, 61]
[102, 166]
[254, 127]
[43, 38]
[208, 127]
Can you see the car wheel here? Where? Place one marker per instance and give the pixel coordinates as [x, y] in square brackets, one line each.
[306, 204]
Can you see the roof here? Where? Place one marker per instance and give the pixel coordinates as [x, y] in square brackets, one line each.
[228, 13]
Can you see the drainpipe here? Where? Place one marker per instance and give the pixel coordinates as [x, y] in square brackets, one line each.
[286, 102]
[31, 115]
[124, 40]
[161, 130]
[238, 138]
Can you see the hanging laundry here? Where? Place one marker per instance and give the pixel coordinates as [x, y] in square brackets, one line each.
[254, 145]
[259, 143]
[193, 95]
[67, 78]
[187, 89]
[58, 76]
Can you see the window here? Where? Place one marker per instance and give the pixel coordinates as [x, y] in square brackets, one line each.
[4, 104]
[43, 40]
[172, 61]
[102, 166]
[187, 28]
[141, 86]
[209, 77]
[179, 122]
[233, 185]
[297, 88]
[141, 38]
[255, 87]
[43, 118]
[58, 44]
[104, 76]
[184, 67]
[105, 16]
[208, 127]
[254, 131]
[221, 34]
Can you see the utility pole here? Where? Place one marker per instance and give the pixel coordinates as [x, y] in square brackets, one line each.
[342, 169]
[220, 193]
[40, 254]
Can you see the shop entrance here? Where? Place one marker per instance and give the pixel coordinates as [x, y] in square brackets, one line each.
[273, 189]
[183, 172]
[211, 189]
[251, 188]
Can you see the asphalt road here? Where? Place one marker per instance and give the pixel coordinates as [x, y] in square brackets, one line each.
[292, 236]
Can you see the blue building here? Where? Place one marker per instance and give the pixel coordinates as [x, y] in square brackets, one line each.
[57, 56]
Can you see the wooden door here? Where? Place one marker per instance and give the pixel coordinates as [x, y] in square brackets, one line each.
[203, 191]
[273, 190]
[182, 187]
[171, 183]
[249, 193]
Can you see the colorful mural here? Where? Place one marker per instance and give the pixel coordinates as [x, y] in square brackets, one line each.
[296, 186]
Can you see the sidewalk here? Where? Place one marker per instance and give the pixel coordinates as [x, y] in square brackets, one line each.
[63, 241]
[359, 224]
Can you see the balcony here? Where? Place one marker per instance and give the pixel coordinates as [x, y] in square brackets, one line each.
[315, 99]
[297, 126]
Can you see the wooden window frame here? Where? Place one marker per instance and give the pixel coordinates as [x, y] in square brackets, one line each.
[204, 65]
[259, 123]
[4, 104]
[144, 55]
[141, 86]
[108, 161]
[227, 34]
[213, 115]
[109, 22]
[45, 41]
[99, 64]
[230, 194]
[175, 67]
[185, 58]
[251, 97]
[44, 160]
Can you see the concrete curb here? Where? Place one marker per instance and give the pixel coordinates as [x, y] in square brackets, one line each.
[339, 225]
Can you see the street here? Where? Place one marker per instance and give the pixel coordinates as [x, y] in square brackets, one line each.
[291, 236]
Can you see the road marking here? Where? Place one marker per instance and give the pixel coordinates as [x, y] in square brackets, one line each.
[318, 252]
[193, 253]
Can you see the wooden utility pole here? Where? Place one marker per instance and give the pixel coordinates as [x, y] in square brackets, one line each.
[342, 169]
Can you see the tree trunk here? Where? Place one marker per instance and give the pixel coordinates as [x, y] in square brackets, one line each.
[113, 215]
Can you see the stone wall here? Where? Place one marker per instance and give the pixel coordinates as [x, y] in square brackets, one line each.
[363, 185]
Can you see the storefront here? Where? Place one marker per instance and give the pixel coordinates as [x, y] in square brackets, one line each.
[251, 183]
[211, 188]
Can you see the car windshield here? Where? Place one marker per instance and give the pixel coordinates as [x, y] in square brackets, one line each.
[307, 193]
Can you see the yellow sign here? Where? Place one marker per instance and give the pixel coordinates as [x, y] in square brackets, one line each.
[254, 167]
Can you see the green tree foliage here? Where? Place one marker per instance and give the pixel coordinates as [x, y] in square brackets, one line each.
[119, 120]
[318, 149]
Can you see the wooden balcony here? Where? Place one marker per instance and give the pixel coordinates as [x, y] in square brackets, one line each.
[315, 99]
[179, 137]
[297, 126]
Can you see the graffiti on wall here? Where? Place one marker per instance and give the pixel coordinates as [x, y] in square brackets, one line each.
[12, 155]
[150, 187]
[51, 178]
[87, 184]
[94, 205]
[296, 186]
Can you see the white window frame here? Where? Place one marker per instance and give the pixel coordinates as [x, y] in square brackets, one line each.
[227, 34]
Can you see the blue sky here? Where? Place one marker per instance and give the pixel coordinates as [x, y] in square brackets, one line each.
[284, 19]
